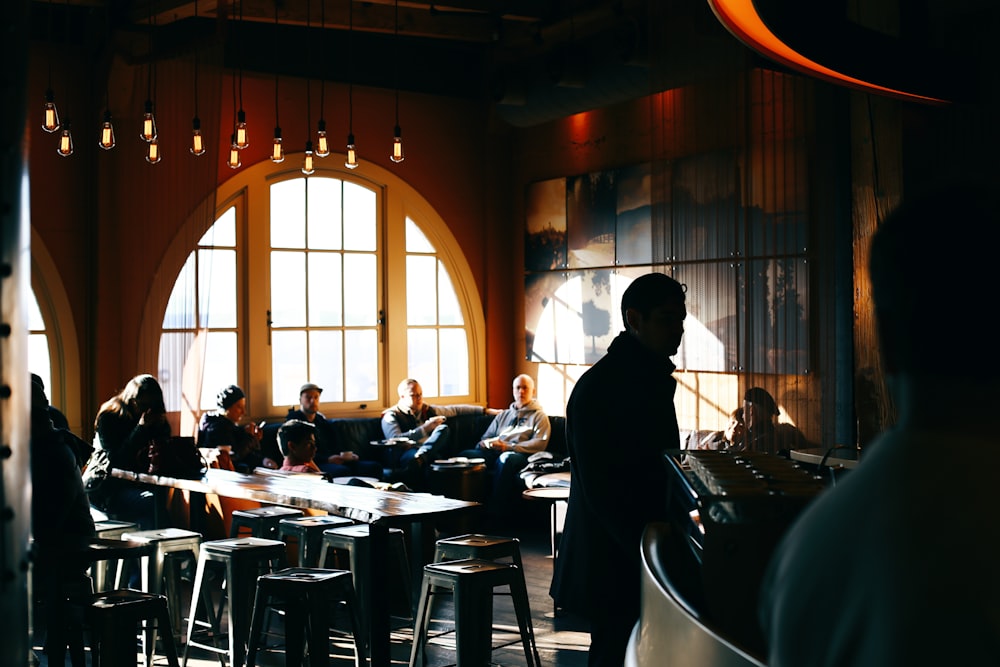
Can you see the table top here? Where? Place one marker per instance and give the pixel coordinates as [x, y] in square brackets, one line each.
[546, 493]
[842, 458]
[311, 492]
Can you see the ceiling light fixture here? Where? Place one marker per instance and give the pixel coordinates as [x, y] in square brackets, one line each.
[308, 166]
[197, 140]
[148, 132]
[397, 133]
[107, 136]
[322, 143]
[242, 138]
[65, 147]
[277, 148]
[50, 115]
[352, 152]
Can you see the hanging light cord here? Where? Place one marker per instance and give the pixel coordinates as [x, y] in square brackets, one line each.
[240, 55]
[350, 67]
[308, 79]
[196, 62]
[276, 123]
[395, 46]
[322, 51]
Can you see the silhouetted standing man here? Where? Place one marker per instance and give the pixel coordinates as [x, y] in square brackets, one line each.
[619, 419]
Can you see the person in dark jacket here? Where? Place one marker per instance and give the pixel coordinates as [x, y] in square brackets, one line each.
[126, 423]
[330, 457]
[620, 418]
[221, 428]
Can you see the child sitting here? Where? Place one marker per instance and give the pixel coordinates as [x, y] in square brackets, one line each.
[297, 440]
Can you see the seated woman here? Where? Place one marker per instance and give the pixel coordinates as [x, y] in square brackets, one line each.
[221, 428]
[126, 423]
[297, 440]
[730, 438]
[763, 431]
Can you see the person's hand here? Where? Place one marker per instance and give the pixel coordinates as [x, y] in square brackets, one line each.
[433, 422]
[492, 411]
[349, 456]
[270, 463]
[255, 430]
[151, 416]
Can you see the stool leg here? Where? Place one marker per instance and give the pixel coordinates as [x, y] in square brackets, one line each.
[166, 633]
[473, 625]
[319, 630]
[360, 641]
[519, 595]
[256, 626]
[420, 623]
[295, 632]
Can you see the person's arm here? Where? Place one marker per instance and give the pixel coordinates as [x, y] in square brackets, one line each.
[537, 438]
[392, 428]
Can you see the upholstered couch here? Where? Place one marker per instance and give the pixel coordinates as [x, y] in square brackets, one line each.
[357, 433]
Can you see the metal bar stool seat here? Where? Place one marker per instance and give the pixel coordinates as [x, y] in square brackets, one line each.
[307, 531]
[244, 559]
[487, 547]
[471, 582]
[356, 541]
[261, 521]
[100, 570]
[107, 614]
[307, 596]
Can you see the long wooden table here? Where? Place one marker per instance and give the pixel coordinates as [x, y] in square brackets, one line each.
[380, 509]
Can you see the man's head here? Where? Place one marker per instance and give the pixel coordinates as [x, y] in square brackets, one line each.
[932, 268]
[759, 409]
[411, 396]
[297, 439]
[309, 399]
[524, 390]
[653, 311]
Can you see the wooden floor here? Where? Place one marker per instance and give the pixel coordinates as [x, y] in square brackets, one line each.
[562, 639]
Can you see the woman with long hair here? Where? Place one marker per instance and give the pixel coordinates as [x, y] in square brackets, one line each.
[126, 423]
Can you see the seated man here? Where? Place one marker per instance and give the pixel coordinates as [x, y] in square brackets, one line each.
[763, 431]
[423, 424]
[515, 434]
[297, 440]
[328, 458]
[730, 438]
[221, 428]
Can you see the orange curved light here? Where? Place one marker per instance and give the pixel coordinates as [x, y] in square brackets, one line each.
[740, 17]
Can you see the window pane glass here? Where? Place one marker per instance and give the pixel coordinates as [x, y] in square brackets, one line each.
[324, 213]
[449, 311]
[361, 300]
[219, 366]
[416, 241]
[359, 217]
[421, 280]
[38, 359]
[422, 358]
[223, 232]
[217, 287]
[324, 289]
[454, 364]
[326, 363]
[288, 298]
[174, 349]
[35, 321]
[288, 366]
[180, 307]
[288, 214]
[361, 360]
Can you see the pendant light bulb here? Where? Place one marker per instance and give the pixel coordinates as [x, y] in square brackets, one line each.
[277, 149]
[242, 140]
[397, 145]
[197, 140]
[322, 143]
[153, 155]
[107, 140]
[50, 117]
[148, 122]
[234, 154]
[352, 153]
[307, 162]
[65, 147]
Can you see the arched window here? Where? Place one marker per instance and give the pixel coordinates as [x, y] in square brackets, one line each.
[346, 279]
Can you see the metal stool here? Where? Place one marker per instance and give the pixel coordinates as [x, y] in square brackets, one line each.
[306, 595]
[471, 582]
[307, 531]
[108, 529]
[261, 521]
[108, 613]
[355, 539]
[244, 558]
[172, 543]
[487, 547]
